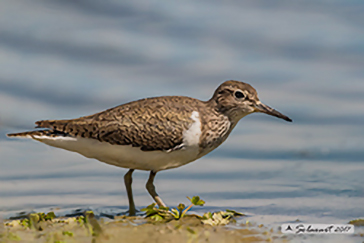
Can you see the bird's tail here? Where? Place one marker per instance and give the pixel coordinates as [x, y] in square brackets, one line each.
[29, 134]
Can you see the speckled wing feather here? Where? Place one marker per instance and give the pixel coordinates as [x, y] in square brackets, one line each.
[151, 124]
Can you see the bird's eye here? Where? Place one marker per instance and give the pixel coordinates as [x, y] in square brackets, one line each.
[239, 95]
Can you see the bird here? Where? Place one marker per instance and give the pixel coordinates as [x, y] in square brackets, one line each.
[154, 134]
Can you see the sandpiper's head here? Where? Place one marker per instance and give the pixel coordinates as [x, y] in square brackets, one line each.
[237, 99]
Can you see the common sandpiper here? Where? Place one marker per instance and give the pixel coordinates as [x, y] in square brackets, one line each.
[154, 134]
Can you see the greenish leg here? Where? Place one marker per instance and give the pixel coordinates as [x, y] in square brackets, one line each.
[151, 189]
[128, 180]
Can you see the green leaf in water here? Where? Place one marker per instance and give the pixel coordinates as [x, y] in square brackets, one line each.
[357, 222]
[176, 214]
[157, 217]
[235, 213]
[50, 216]
[68, 233]
[196, 201]
[181, 206]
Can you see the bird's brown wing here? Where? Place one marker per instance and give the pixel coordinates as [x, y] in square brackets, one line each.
[151, 124]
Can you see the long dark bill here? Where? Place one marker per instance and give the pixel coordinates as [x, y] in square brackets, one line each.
[270, 111]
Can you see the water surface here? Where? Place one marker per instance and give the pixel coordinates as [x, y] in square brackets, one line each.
[65, 59]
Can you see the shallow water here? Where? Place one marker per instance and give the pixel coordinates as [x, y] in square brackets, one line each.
[67, 59]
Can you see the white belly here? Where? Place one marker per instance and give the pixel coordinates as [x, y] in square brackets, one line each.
[124, 156]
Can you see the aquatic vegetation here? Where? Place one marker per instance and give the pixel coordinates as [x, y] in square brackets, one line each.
[10, 237]
[33, 220]
[91, 224]
[357, 222]
[220, 218]
[166, 214]
[68, 233]
[158, 225]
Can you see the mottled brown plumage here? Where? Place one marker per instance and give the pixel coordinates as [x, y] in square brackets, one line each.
[151, 124]
[154, 133]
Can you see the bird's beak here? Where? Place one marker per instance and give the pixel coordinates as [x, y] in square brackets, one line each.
[260, 107]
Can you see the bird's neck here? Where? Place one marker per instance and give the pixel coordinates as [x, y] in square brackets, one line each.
[232, 114]
[216, 128]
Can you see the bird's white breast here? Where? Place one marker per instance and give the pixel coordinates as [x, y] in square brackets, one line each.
[191, 137]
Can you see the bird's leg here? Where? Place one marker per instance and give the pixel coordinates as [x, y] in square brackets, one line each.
[151, 189]
[128, 180]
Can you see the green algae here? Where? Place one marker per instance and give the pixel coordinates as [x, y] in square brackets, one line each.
[157, 225]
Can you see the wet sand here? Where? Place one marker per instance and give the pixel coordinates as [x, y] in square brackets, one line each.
[220, 226]
[87, 228]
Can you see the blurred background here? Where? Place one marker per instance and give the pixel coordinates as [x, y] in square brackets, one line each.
[65, 59]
